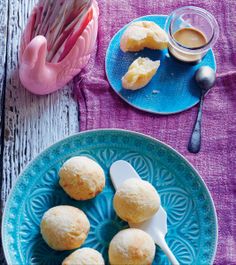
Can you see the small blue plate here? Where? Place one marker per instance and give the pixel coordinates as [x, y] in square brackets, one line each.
[192, 222]
[171, 90]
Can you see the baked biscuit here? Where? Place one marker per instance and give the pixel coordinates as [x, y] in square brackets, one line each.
[131, 247]
[64, 227]
[136, 201]
[82, 178]
[84, 256]
[143, 34]
[140, 73]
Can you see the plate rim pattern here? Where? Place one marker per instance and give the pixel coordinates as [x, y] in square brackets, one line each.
[16, 191]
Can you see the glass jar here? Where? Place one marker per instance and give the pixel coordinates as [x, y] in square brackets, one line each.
[198, 19]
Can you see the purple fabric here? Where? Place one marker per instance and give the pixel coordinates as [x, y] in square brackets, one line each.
[100, 107]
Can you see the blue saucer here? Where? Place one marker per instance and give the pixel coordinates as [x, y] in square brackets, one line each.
[171, 90]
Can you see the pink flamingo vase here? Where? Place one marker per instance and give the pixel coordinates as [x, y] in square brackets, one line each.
[56, 43]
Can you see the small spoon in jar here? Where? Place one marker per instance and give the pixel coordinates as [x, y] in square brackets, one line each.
[205, 78]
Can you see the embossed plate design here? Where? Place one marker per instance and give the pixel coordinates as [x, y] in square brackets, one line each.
[171, 90]
[192, 222]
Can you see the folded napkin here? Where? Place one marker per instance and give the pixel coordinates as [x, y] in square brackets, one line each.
[100, 107]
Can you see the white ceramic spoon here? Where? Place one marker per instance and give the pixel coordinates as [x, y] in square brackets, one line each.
[156, 227]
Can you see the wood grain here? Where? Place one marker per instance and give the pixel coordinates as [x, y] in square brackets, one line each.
[31, 123]
[3, 41]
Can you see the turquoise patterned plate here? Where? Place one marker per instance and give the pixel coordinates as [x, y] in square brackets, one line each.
[171, 90]
[192, 221]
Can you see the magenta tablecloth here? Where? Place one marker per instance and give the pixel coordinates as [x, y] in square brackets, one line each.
[100, 107]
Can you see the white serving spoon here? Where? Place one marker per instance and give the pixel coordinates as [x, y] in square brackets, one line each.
[156, 227]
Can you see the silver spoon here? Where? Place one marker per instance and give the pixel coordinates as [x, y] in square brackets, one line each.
[205, 78]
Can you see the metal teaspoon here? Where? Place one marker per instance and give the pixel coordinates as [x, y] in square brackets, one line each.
[205, 78]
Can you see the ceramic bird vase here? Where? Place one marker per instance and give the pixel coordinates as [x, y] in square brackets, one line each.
[56, 43]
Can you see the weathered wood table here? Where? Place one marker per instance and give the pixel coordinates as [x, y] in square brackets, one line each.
[29, 123]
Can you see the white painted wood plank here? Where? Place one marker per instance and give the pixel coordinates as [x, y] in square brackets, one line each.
[3, 40]
[32, 123]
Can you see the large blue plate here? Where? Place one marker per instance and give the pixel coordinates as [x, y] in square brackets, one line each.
[172, 89]
[192, 222]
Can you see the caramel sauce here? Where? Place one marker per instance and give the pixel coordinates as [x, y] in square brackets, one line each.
[190, 37]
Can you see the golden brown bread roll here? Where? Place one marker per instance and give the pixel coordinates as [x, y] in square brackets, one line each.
[131, 247]
[84, 256]
[136, 201]
[81, 178]
[140, 73]
[64, 227]
[143, 34]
